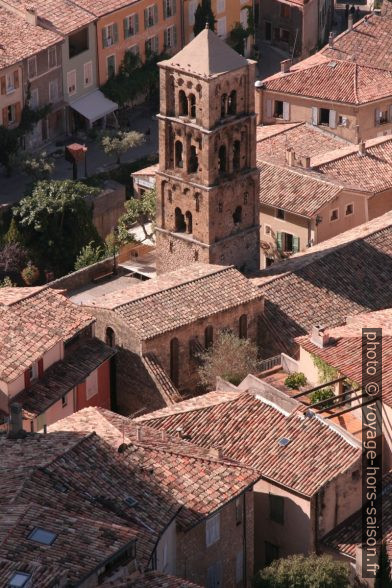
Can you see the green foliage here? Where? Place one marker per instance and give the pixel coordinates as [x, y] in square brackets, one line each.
[323, 394]
[383, 578]
[295, 380]
[13, 235]
[229, 357]
[9, 145]
[90, 254]
[121, 142]
[7, 283]
[298, 571]
[326, 372]
[13, 258]
[140, 211]
[251, 21]
[56, 223]
[30, 274]
[203, 15]
[38, 167]
[237, 38]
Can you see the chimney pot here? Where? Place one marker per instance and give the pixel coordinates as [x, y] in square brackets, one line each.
[362, 148]
[290, 157]
[319, 336]
[330, 39]
[31, 15]
[179, 432]
[285, 65]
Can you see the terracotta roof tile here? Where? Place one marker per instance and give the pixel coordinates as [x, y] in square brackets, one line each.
[151, 579]
[32, 321]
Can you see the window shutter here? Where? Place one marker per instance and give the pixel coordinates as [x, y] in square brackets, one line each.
[286, 111]
[174, 36]
[279, 240]
[40, 368]
[295, 244]
[155, 14]
[165, 38]
[332, 119]
[103, 37]
[27, 379]
[3, 84]
[5, 117]
[126, 23]
[115, 33]
[314, 116]
[145, 18]
[173, 7]
[164, 9]
[18, 112]
[16, 79]
[136, 23]
[269, 108]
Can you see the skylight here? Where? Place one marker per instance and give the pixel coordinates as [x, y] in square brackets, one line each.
[284, 441]
[130, 501]
[42, 536]
[19, 579]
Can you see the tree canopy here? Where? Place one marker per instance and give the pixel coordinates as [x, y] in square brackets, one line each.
[204, 15]
[121, 142]
[140, 211]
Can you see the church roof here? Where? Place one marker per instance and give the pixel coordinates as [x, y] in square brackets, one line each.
[207, 55]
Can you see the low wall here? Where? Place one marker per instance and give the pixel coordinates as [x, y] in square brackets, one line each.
[84, 276]
[108, 206]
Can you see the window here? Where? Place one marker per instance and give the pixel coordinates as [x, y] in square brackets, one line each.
[19, 580]
[92, 385]
[192, 105]
[324, 116]
[109, 35]
[169, 8]
[222, 163]
[33, 371]
[271, 553]
[78, 42]
[32, 67]
[284, 11]
[243, 327]
[221, 6]
[152, 45]
[34, 98]
[178, 154]
[280, 213]
[64, 401]
[278, 111]
[246, 197]
[11, 114]
[276, 508]
[191, 11]
[179, 221]
[111, 65]
[208, 336]
[232, 103]
[220, 206]
[170, 37]
[131, 26]
[237, 215]
[267, 230]
[287, 243]
[223, 105]
[174, 360]
[236, 155]
[42, 536]
[342, 121]
[221, 27]
[10, 86]
[110, 337]
[381, 117]
[334, 214]
[88, 74]
[71, 82]
[52, 57]
[239, 567]
[53, 91]
[349, 209]
[188, 222]
[238, 510]
[213, 529]
[150, 16]
[285, 35]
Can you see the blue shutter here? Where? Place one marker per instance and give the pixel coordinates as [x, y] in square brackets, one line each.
[279, 240]
[295, 244]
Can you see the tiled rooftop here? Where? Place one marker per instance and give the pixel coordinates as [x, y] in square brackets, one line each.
[179, 297]
[20, 40]
[341, 276]
[248, 430]
[62, 377]
[152, 579]
[32, 321]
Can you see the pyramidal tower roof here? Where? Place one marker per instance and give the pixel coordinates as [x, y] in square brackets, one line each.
[207, 55]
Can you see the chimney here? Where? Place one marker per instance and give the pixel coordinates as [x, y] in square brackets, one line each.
[138, 433]
[330, 39]
[361, 148]
[31, 14]
[163, 435]
[319, 336]
[350, 22]
[16, 422]
[305, 162]
[290, 156]
[179, 432]
[285, 65]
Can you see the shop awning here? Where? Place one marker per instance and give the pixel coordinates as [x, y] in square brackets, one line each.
[94, 106]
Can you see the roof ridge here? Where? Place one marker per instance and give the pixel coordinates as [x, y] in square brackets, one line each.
[356, 83]
[304, 172]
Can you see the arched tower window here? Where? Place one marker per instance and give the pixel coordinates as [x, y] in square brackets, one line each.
[170, 196]
[223, 105]
[178, 154]
[197, 202]
[222, 162]
[193, 160]
[232, 103]
[179, 221]
[110, 337]
[243, 330]
[188, 221]
[192, 105]
[237, 215]
[236, 155]
[174, 360]
[183, 103]
[208, 336]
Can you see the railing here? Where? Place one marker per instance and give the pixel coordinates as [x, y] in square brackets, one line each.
[271, 362]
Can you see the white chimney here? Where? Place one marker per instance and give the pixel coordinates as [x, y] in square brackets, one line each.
[285, 65]
[138, 433]
[319, 336]
[290, 156]
[31, 14]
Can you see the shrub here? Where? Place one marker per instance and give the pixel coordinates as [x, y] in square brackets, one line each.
[323, 394]
[30, 274]
[7, 283]
[295, 380]
[88, 255]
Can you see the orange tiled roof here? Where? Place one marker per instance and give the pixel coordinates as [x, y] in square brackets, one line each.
[32, 321]
[248, 430]
[179, 297]
[152, 579]
[19, 39]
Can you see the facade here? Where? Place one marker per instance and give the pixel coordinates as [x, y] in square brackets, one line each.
[56, 369]
[207, 181]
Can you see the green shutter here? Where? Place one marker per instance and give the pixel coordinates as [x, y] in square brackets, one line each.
[279, 240]
[136, 23]
[295, 244]
[103, 38]
[173, 7]
[115, 33]
[155, 14]
[164, 9]
[126, 28]
[145, 18]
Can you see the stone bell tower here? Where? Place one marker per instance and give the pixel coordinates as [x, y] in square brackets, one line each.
[207, 183]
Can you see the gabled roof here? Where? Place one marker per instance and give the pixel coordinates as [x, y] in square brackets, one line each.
[152, 579]
[32, 321]
[345, 275]
[206, 55]
[249, 430]
[179, 298]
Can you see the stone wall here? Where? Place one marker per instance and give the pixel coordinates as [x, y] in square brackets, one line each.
[84, 276]
[108, 206]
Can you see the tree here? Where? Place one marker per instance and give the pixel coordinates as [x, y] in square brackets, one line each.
[89, 254]
[204, 15]
[298, 571]
[237, 38]
[9, 145]
[121, 142]
[383, 578]
[30, 274]
[140, 211]
[39, 167]
[13, 235]
[13, 258]
[56, 222]
[7, 283]
[229, 357]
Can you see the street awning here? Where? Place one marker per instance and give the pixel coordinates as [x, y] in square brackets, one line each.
[94, 106]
